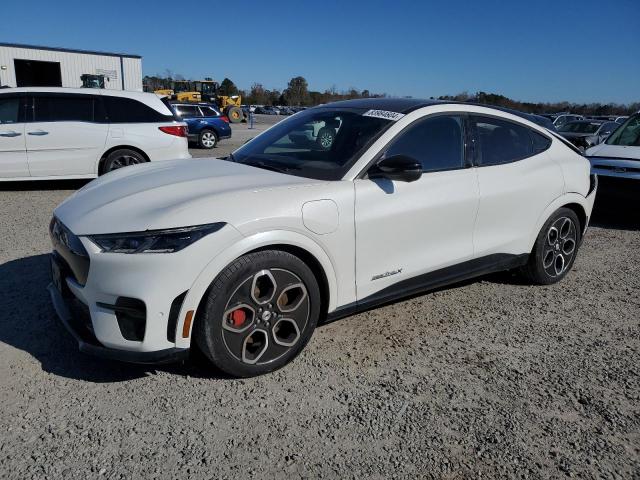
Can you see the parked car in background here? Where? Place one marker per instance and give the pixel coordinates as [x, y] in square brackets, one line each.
[621, 119]
[262, 110]
[560, 120]
[242, 257]
[587, 133]
[59, 133]
[619, 155]
[206, 125]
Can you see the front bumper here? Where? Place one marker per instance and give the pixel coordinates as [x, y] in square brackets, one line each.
[615, 167]
[88, 343]
[154, 288]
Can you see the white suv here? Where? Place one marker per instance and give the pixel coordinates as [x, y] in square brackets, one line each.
[55, 133]
[244, 256]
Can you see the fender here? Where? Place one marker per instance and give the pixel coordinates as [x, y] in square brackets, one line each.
[243, 246]
[562, 200]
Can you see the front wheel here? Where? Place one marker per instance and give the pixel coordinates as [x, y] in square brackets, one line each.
[234, 114]
[555, 249]
[325, 138]
[259, 313]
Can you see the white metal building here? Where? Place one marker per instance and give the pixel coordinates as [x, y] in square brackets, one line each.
[28, 66]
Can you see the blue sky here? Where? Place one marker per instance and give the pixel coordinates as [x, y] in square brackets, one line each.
[540, 50]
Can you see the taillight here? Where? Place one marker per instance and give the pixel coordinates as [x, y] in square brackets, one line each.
[224, 118]
[177, 130]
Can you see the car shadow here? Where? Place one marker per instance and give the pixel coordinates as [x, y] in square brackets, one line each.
[616, 205]
[26, 186]
[29, 323]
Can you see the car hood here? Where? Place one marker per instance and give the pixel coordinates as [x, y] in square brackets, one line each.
[169, 194]
[614, 151]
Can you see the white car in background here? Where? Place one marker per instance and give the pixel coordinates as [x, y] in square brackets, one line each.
[619, 155]
[61, 133]
[243, 256]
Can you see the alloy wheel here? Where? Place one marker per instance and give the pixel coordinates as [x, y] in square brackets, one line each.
[125, 161]
[265, 316]
[326, 139]
[559, 247]
[208, 140]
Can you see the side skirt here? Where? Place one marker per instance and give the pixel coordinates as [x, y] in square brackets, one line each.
[430, 281]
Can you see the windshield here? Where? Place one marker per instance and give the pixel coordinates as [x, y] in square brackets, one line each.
[320, 143]
[580, 127]
[627, 134]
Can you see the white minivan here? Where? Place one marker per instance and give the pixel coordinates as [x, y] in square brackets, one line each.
[54, 133]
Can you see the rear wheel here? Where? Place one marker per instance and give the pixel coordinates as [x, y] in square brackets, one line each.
[259, 313]
[122, 158]
[207, 139]
[555, 249]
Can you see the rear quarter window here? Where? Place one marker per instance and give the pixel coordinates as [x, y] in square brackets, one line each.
[128, 110]
[540, 142]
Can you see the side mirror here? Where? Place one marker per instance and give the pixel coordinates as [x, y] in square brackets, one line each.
[397, 167]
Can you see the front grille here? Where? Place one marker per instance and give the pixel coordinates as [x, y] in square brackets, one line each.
[70, 248]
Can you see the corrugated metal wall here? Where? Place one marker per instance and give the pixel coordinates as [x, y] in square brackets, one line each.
[73, 65]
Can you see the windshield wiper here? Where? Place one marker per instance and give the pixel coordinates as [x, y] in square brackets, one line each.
[231, 157]
[268, 166]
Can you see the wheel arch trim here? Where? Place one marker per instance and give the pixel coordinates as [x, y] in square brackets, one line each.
[276, 239]
[570, 200]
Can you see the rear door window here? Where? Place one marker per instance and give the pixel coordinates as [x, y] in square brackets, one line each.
[63, 108]
[501, 141]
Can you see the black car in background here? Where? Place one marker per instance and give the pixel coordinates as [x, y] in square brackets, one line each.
[587, 133]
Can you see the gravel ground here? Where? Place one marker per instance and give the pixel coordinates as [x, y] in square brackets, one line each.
[490, 378]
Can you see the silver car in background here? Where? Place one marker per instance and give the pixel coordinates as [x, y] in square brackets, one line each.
[619, 155]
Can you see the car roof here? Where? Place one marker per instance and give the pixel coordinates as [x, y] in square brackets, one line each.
[202, 104]
[86, 91]
[150, 99]
[398, 105]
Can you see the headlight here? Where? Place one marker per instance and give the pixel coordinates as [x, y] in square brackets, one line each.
[154, 241]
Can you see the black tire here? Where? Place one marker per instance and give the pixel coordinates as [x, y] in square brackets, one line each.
[254, 347]
[326, 137]
[207, 139]
[122, 157]
[549, 261]
[235, 114]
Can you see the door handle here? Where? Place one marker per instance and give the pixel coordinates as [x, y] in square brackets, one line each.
[10, 134]
[39, 133]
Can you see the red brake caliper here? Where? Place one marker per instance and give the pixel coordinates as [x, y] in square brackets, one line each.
[238, 317]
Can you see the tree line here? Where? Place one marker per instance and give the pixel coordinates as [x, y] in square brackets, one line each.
[545, 107]
[297, 93]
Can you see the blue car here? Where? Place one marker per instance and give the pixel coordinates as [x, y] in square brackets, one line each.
[206, 125]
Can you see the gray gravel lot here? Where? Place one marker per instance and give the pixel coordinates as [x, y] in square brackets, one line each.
[490, 378]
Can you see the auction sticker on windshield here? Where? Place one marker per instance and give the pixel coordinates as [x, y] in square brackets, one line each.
[393, 116]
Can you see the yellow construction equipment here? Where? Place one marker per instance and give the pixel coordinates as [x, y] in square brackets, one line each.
[205, 91]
